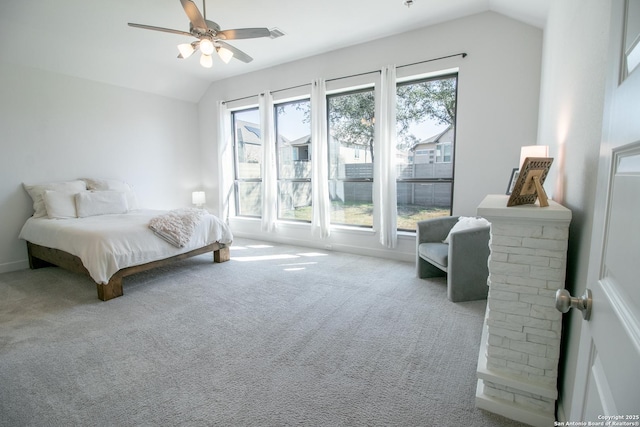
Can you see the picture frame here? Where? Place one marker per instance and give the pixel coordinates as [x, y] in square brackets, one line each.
[528, 185]
[512, 180]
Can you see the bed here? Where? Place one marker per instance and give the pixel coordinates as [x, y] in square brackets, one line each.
[108, 241]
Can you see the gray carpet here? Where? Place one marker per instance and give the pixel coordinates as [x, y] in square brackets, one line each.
[279, 335]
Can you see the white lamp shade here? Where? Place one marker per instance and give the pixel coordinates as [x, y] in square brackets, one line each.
[198, 198]
[206, 61]
[206, 46]
[186, 50]
[224, 54]
[533, 151]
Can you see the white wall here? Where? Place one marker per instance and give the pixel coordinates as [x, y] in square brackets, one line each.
[498, 96]
[571, 109]
[58, 128]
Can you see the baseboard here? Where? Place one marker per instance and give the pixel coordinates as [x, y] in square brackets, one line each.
[14, 266]
[560, 414]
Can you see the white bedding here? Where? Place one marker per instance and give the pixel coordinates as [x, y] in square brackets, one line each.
[108, 243]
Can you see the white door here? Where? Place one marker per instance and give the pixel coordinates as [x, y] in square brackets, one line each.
[608, 372]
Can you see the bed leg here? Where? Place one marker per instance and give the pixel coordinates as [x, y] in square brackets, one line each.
[35, 262]
[111, 290]
[222, 254]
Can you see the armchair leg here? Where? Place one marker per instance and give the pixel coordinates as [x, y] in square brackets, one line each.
[425, 270]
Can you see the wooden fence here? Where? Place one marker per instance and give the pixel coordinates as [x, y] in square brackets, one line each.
[292, 195]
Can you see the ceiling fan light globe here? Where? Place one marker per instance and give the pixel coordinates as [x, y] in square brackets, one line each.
[206, 61]
[206, 46]
[224, 54]
[186, 50]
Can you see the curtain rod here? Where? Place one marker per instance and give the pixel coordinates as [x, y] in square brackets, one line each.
[463, 54]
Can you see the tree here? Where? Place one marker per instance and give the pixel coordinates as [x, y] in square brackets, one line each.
[433, 99]
[352, 116]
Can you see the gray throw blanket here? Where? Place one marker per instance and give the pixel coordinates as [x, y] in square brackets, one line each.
[177, 226]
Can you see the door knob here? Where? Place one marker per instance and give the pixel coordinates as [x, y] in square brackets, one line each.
[564, 302]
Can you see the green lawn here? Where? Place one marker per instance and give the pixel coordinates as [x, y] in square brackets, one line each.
[362, 214]
[408, 215]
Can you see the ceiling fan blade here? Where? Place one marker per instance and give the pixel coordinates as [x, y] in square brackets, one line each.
[237, 53]
[164, 30]
[243, 33]
[194, 14]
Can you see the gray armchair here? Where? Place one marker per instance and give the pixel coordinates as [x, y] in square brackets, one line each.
[463, 260]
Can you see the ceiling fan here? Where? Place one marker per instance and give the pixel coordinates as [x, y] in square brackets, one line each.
[210, 37]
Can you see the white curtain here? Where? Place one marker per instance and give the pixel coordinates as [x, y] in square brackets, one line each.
[320, 222]
[269, 172]
[225, 160]
[385, 166]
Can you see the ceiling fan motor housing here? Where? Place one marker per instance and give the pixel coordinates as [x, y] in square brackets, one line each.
[211, 31]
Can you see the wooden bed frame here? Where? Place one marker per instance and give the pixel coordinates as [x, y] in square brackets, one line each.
[42, 256]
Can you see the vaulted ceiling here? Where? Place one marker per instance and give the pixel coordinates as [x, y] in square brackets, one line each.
[91, 39]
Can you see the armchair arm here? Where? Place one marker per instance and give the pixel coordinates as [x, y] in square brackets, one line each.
[468, 264]
[469, 250]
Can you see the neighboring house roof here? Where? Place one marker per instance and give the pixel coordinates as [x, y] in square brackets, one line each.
[305, 140]
[444, 136]
[248, 132]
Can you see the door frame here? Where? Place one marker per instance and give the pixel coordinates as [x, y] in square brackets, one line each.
[606, 170]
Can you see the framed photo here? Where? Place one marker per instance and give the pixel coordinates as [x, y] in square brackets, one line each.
[528, 185]
[512, 181]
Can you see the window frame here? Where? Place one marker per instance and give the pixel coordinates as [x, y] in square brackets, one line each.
[451, 181]
[335, 94]
[343, 93]
[309, 153]
[236, 166]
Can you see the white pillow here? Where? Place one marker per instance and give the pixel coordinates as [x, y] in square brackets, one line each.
[132, 200]
[60, 204]
[36, 191]
[106, 184]
[97, 184]
[92, 203]
[465, 223]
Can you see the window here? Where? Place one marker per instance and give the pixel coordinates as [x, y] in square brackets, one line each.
[248, 162]
[444, 152]
[425, 155]
[293, 130]
[351, 126]
[426, 118]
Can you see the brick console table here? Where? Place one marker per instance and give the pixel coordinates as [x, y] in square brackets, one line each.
[518, 360]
